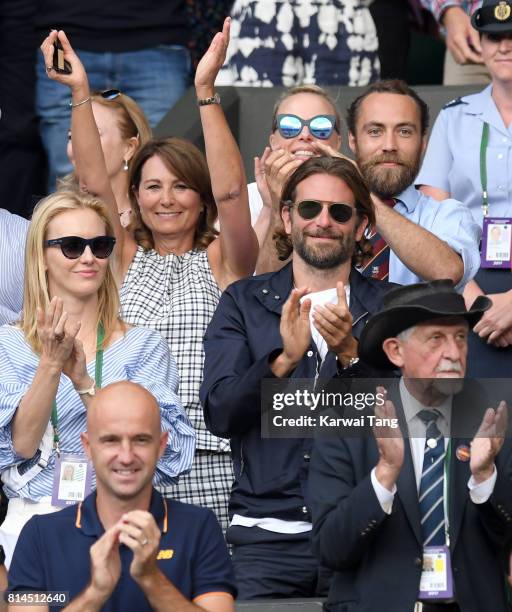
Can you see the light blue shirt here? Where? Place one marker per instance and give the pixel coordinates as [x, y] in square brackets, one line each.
[450, 221]
[13, 232]
[452, 160]
[141, 355]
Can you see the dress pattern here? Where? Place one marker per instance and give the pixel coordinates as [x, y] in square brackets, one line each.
[290, 42]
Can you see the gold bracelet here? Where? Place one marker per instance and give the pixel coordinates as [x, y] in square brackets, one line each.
[79, 103]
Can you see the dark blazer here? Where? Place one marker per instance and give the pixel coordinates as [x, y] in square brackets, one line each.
[377, 557]
[270, 474]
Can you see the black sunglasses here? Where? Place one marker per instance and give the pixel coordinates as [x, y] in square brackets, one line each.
[110, 94]
[309, 209]
[320, 126]
[72, 247]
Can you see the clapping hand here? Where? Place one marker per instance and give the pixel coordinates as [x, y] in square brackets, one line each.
[390, 443]
[56, 335]
[487, 442]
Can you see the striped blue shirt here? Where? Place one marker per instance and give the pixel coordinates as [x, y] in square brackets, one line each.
[13, 231]
[141, 356]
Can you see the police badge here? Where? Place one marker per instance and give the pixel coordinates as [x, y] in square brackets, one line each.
[502, 11]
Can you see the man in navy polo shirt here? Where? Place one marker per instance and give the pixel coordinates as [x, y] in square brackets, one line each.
[125, 547]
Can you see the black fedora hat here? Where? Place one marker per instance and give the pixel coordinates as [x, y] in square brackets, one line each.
[493, 16]
[407, 306]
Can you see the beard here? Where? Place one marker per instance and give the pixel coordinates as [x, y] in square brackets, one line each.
[326, 256]
[388, 182]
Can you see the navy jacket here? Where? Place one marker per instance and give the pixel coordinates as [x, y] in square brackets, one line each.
[243, 336]
[377, 558]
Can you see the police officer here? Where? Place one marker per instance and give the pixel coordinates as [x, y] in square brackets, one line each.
[469, 158]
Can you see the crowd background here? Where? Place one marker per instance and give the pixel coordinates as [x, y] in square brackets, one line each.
[410, 46]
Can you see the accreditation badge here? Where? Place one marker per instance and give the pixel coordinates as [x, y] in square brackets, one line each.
[496, 243]
[436, 582]
[71, 480]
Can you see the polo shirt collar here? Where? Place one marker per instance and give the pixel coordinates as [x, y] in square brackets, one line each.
[88, 521]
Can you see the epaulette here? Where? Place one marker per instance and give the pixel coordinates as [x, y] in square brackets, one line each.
[455, 102]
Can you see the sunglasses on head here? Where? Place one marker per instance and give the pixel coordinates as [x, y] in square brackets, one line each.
[110, 94]
[309, 209]
[72, 247]
[320, 126]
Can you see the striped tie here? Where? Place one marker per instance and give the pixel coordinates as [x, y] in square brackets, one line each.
[378, 266]
[432, 482]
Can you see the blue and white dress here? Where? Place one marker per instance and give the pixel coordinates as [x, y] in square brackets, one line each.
[290, 42]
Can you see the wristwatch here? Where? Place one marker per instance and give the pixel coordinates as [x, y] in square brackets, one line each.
[89, 391]
[206, 101]
[351, 362]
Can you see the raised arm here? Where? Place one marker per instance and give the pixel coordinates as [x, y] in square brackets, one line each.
[234, 254]
[90, 162]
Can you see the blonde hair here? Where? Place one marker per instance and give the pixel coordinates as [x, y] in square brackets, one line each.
[36, 292]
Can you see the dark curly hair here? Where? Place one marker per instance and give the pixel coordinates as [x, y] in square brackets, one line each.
[187, 162]
[348, 172]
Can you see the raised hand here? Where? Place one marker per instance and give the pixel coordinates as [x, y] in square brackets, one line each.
[212, 61]
[390, 444]
[334, 323]
[487, 442]
[77, 80]
[57, 337]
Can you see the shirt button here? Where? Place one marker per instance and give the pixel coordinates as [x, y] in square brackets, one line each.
[418, 562]
[504, 139]
[276, 297]
[500, 187]
[500, 156]
[309, 353]
[304, 510]
[265, 291]
[306, 457]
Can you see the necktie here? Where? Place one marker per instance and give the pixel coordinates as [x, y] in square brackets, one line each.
[378, 266]
[432, 482]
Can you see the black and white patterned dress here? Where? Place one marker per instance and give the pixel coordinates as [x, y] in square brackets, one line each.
[177, 295]
[291, 42]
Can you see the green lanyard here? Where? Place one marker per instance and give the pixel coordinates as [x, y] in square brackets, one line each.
[446, 492]
[98, 375]
[483, 168]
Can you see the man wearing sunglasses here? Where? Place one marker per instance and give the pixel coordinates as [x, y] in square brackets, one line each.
[418, 238]
[299, 323]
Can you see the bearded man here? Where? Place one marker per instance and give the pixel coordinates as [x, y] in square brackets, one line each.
[416, 238]
[300, 322]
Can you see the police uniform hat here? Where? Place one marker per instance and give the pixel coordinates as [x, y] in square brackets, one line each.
[493, 16]
[407, 306]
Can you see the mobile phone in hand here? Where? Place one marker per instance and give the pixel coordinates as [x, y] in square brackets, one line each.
[60, 65]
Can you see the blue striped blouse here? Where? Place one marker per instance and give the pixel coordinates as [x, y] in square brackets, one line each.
[141, 356]
[13, 231]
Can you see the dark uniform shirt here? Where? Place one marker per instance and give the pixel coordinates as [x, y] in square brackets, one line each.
[52, 553]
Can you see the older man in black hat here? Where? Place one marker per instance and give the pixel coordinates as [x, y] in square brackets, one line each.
[417, 524]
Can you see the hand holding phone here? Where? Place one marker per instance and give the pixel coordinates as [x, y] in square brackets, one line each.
[60, 65]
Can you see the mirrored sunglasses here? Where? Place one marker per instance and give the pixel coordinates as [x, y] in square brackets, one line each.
[72, 247]
[309, 209]
[320, 126]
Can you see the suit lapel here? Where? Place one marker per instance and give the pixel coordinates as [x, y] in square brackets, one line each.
[407, 489]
